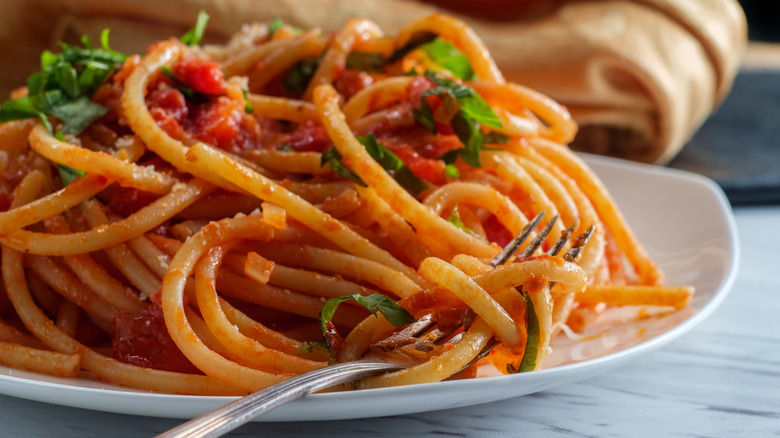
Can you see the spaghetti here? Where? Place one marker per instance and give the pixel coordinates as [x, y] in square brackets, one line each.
[215, 219]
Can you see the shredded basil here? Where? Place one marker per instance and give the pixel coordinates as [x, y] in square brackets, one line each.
[382, 155]
[64, 84]
[68, 174]
[455, 219]
[414, 43]
[445, 54]
[472, 112]
[297, 79]
[248, 107]
[374, 303]
[532, 341]
[194, 36]
[494, 137]
[332, 157]
[274, 26]
[365, 61]
[189, 93]
[392, 164]
[309, 346]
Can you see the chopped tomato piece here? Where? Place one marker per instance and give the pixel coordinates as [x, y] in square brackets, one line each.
[169, 109]
[219, 122]
[200, 75]
[127, 200]
[310, 136]
[352, 81]
[5, 201]
[495, 232]
[425, 168]
[416, 88]
[142, 339]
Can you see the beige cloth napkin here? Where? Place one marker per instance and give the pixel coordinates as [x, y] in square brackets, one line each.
[638, 76]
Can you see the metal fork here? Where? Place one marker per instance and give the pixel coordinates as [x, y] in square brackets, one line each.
[236, 413]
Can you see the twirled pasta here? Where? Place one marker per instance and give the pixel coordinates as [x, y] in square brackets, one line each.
[211, 218]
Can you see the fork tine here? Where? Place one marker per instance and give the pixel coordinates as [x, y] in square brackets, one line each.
[512, 246]
[570, 256]
[413, 330]
[579, 243]
[539, 238]
[556, 248]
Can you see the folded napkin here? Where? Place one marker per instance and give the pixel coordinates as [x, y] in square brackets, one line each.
[638, 76]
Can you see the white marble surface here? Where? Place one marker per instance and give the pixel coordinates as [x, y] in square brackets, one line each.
[721, 379]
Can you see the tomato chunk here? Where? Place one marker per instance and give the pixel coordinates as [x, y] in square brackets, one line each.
[142, 339]
[200, 74]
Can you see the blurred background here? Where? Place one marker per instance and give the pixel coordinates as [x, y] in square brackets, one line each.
[763, 19]
[739, 144]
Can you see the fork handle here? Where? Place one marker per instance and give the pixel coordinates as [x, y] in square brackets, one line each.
[234, 414]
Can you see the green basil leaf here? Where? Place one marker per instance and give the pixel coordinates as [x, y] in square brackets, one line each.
[93, 75]
[388, 160]
[328, 310]
[409, 181]
[30, 107]
[18, 109]
[106, 47]
[395, 314]
[68, 79]
[451, 171]
[476, 108]
[469, 134]
[445, 54]
[534, 336]
[471, 103]
[392, 164]
[190, 94]
[77, 114]
[68, 174]
[297, 79]
[454, 219]
[365, 61]
[248, 107]
[80, 56]
[415, 42]
[472, 111]
[309, 346]
[48, 59]
[86, 42]
[494, 137]
[425, 117]
[332, 157]
[274, 26]
[36, 82]
[64, 84]
[194, 36]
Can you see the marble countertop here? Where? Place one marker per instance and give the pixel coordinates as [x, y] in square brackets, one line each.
[720, 379]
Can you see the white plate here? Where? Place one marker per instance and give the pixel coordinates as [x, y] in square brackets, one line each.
[683, 220]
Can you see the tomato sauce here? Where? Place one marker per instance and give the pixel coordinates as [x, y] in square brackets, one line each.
[496, 232]
[352, 81]
[142, 339]
[309, 136]
[208, 115]
[200, 74]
